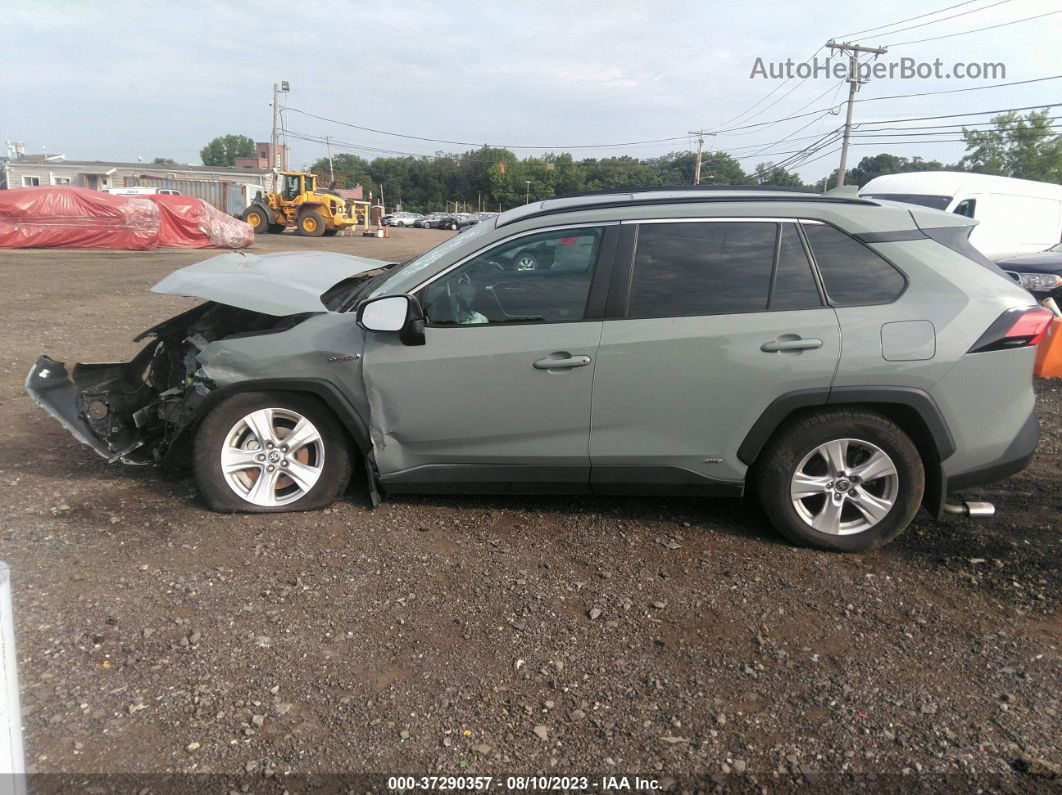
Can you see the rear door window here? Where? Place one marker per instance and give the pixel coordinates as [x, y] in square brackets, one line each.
[851, 273]
[702, 268]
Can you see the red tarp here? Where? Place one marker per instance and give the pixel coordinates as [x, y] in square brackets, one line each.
[81, 218]
[75, 218]
[192, 223]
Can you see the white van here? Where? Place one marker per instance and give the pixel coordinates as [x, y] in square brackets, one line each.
[142, 191]
[1014, 215]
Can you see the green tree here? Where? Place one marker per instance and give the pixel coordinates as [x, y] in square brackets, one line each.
[1018, 146]
[878, 165]
[770, 174]
[350, 170]
[223, 150]
[164, 161]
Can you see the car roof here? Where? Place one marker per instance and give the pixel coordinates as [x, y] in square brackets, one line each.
[682, 194]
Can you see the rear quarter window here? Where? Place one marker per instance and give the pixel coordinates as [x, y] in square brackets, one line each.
[852, 273]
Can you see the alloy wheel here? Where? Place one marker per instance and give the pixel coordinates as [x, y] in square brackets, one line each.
[844, 486]
[272, 457]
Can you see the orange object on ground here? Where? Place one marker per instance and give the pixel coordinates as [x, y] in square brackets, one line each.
[1049, 352]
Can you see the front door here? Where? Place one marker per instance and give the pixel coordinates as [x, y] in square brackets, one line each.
[723, 316]
[500, 392]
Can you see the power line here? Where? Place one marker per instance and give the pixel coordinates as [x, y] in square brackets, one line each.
[481, 143]
[945, 19]
[916, 118]
[961, 90]
[901, 21]
[976, 30]
[771, 92]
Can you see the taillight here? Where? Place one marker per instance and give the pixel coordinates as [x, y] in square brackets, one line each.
[1015, 328]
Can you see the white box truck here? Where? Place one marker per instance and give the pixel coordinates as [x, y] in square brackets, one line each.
[1015, 216]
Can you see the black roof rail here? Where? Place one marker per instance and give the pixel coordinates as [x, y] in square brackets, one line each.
[691, 188]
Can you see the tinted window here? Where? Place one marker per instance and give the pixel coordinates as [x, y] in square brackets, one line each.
[794, 283]
[966, 207]
[711, 268]
[851, 272]
[542, 278]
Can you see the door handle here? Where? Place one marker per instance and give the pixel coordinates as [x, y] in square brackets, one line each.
[559, 363]
[798, 344]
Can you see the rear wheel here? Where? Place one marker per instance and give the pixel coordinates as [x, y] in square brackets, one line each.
[257, 218]
[266, 452]
[310, 224]
[330, 232]
[843, 480]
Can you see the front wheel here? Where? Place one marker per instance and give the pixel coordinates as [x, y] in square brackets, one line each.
[264, 452]
[257, 219]
[310, 224]
[845, 480]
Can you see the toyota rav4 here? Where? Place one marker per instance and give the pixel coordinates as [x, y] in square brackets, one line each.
[846, 360]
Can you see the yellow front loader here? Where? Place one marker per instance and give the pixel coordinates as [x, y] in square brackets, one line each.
[300, 204]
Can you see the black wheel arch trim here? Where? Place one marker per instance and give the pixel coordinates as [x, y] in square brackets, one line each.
[780, 408]
[329, 394]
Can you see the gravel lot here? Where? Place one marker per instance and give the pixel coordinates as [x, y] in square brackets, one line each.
[667, 637]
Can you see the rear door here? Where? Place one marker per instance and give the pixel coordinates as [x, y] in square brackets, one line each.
[721, 317]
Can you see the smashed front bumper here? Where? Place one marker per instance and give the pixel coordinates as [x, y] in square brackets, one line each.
[88, 413]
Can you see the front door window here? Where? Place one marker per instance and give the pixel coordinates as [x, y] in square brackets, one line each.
[543, 278]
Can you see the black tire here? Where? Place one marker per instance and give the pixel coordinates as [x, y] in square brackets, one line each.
[310, 223]
[276, 229]
[213, 432]
[778, 464]
[453, 226]
[330, 232]
[257, 217]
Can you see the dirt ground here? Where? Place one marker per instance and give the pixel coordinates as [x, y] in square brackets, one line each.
[455, 635]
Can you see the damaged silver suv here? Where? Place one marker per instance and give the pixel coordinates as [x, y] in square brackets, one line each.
[845, 359]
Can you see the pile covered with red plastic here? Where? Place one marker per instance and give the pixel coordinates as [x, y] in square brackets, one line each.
[187, 222]
[80, 218]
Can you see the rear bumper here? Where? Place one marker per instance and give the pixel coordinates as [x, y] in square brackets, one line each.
[1014, 459]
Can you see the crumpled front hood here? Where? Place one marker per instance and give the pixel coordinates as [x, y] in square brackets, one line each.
[285, 283]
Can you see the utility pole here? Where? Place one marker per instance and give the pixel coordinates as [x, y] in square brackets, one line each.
[527, 193]
[331, 169]
[278, 88]
[700, 151]
[854, 82]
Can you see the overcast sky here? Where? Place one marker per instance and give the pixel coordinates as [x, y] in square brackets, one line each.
[114, 81]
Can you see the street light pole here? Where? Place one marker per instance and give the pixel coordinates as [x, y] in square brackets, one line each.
[527, 194]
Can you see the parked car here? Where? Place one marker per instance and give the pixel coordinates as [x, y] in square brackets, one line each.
[1040, 274]
[400, 219]
[432, 221]
[844, 359]
[469, 219]
[1014, 215]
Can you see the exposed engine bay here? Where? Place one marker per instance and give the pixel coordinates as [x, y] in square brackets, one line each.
[133, 411]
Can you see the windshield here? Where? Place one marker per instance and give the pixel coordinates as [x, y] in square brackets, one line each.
[409, 275]
[936, 202]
